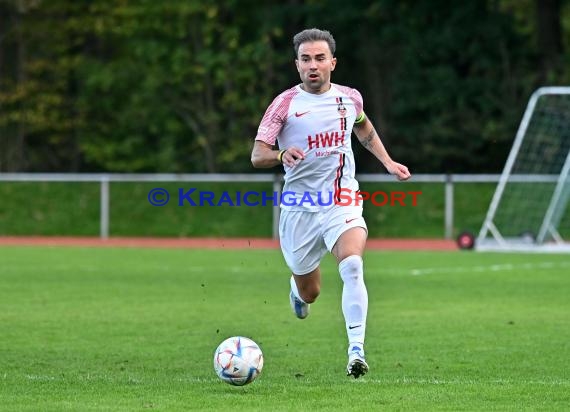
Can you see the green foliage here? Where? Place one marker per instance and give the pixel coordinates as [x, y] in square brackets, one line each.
[450, 82]
[175, 89]
[180, 86]
[38, 88]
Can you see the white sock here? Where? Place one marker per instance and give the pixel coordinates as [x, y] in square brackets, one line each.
[354, 299]
[295, 290]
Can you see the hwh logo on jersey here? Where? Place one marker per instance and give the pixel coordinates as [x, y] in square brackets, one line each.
[326, 139]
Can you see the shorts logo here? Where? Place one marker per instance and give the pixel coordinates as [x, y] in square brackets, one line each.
[350, 220]
[297, 114]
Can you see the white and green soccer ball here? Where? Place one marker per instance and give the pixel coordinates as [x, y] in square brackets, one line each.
[238, 360]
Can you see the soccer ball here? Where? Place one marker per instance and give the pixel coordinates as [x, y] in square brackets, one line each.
[238, 360]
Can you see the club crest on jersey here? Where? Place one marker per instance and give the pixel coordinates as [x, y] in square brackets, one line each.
[341, 109]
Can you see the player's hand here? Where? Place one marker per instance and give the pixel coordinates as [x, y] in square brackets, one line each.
[399, 170]
[292, 156]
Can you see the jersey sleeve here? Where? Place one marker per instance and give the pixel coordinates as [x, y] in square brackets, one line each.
[356, 97]
[274, 118]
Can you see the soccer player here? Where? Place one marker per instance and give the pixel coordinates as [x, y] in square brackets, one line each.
[312, 123]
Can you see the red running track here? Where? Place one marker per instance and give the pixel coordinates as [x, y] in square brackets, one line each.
[210, 243]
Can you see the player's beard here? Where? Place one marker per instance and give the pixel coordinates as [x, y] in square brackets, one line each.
[316, 85]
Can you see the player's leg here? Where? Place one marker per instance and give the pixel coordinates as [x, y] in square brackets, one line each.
[307, 286]
[348, 251]
[304, 290]
[303, 248]
[346, 236]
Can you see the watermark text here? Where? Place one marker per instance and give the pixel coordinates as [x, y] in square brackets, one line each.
[343, 197]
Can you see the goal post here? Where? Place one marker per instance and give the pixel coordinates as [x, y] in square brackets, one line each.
[529, 209]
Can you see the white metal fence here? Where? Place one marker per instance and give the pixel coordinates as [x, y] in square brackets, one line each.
[105, 179]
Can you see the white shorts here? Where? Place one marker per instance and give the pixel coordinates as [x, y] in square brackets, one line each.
[306, 237]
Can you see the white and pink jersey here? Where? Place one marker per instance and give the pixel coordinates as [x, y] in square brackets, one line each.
[320, 125]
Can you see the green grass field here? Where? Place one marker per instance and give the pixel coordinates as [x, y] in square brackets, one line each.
[101, 329]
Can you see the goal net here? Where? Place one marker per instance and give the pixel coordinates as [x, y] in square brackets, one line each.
[529, 210]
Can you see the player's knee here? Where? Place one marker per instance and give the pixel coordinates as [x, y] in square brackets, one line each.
[310, 293]
[351, 269]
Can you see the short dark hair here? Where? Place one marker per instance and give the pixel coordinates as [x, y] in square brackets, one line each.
[309, 35]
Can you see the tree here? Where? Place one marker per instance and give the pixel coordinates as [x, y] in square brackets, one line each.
[444, 84]
[179, 97]
[37, 91]
[549, 33]
[180, 86]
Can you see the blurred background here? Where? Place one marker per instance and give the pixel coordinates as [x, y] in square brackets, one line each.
[180, 86]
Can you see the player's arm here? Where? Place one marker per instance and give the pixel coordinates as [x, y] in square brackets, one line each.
[264, 156]
[366, 134]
